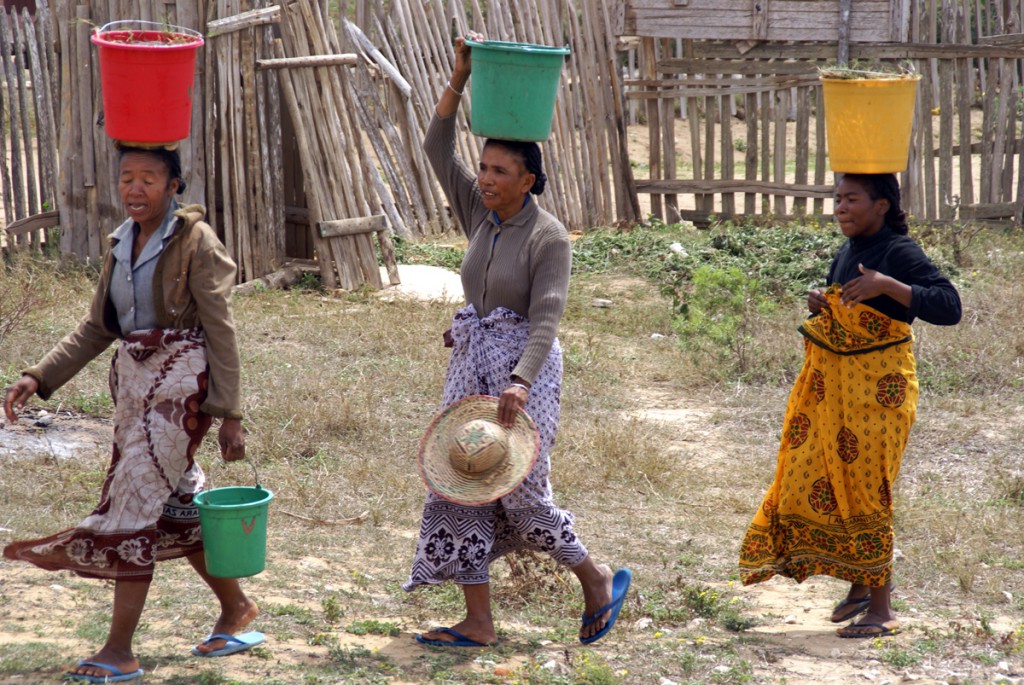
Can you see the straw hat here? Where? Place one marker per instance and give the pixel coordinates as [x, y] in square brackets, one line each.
[467, 457]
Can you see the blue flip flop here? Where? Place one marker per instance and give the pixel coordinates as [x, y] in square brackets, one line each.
[620, 586]
[459, 641]
[235, 643]
[116, 674]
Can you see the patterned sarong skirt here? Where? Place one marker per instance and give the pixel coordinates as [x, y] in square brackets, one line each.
[459, 542]
[829, 509]
[145, 514]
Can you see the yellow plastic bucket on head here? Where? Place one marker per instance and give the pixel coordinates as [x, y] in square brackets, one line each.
[868, 123]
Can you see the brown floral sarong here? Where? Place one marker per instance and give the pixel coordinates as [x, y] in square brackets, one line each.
[145, 514]
[829, 509]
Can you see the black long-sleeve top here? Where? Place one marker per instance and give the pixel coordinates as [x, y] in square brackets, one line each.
[934, 298]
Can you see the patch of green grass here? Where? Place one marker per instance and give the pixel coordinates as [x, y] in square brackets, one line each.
[374, 627]
[904, 655]
[99, 404]
[20, 658]
[309, 282]
[739, 672]
[93, 628]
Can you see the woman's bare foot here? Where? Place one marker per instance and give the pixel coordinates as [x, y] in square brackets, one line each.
[230, 622]
[597, 593]
[477, 631]
[125, 662]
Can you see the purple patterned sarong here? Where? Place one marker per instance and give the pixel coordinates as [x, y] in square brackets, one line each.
[458, 542]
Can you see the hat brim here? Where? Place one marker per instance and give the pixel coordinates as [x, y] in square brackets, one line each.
[447, 482]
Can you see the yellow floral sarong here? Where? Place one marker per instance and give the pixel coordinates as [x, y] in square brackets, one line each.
[829, 509]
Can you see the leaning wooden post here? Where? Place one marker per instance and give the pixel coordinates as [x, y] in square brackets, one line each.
[843, 57]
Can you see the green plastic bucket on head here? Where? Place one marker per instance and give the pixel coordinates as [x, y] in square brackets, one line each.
[514, 86]
[234, 525]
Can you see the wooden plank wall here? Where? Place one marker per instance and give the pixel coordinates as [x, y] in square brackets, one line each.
[28, 130]
[970, 59]
[777, 20]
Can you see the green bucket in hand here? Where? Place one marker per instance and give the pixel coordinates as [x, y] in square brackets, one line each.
[234, 525]
[514, 87]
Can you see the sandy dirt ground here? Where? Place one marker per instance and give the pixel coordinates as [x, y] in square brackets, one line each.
[796, 645]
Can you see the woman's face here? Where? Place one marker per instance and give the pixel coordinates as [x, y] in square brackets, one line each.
[858, 215]
[503, 180]
[146, 188]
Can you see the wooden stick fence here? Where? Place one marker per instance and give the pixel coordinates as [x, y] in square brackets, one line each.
[586, 157]
[324, 111]
[28, 173]
[239, 156]
[970, 61]
[245, 168]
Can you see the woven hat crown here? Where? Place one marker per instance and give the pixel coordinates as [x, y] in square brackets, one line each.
[477, 446]
[468, 456]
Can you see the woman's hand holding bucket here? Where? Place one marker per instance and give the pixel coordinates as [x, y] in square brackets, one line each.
[231, 439]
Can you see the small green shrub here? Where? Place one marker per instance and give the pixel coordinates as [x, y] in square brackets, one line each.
[717, 320]
[333, 610]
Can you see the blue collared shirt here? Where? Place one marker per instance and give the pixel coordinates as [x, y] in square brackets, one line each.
[131, 285]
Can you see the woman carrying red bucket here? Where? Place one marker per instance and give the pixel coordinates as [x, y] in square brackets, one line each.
[164, 296]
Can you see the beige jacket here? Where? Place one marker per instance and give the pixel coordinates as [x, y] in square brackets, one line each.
[191, 287]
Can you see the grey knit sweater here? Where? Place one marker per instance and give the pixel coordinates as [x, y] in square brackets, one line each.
[522, 264]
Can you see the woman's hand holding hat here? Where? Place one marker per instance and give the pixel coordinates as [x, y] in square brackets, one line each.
[511, 401]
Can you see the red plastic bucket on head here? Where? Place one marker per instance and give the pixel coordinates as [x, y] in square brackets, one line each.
[147, 71]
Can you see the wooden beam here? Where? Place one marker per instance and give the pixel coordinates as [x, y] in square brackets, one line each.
[364, 43]
[347, 58]
[34, 223]
[357, 226]
[759, 10]
[245, 20]
[703, 219]
[826, 50]
[843, 51]
[739, 185]
[984, 212]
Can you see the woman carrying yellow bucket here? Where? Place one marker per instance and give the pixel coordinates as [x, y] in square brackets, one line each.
[829, 510]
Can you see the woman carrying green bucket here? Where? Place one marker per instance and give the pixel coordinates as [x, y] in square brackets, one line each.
[165, 296]
[504, 345]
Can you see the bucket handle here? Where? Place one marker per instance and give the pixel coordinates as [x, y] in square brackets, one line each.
[250, 462]
[143, 25]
